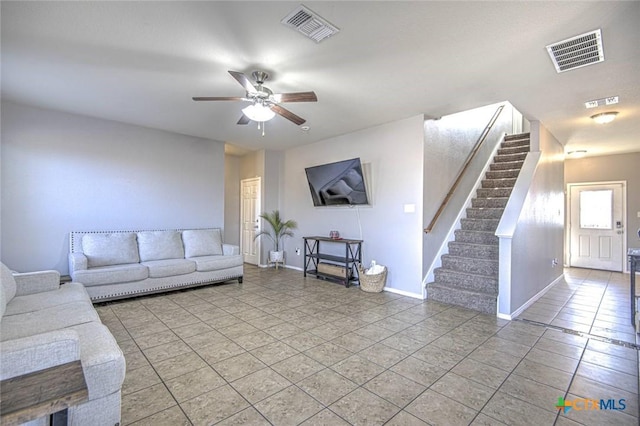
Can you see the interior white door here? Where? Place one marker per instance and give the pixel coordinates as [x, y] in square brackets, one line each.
[596, 226]
[250, 219]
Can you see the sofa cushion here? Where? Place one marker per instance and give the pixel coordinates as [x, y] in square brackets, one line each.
[112, 274]
[7, 287]
[158, 245]
[67, 293]
[169, 267]
[110, 249]
[202, 242]
[213, 263]
[45, 320]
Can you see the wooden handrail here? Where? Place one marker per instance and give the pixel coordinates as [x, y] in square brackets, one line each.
[471, 156]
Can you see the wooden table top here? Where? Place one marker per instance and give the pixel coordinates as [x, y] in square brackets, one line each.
[34, 395]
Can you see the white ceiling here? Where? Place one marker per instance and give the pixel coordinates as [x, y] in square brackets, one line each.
[141, 62]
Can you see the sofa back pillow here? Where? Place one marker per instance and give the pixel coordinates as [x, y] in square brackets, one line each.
[159, 245]
[7, 288]
[202, 242]
[119, 248]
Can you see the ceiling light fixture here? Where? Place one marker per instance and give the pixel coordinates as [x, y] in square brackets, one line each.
[258, 112]
[604, 117]
[578, 153]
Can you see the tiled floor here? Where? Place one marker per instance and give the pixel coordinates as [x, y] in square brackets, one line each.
[284, 350]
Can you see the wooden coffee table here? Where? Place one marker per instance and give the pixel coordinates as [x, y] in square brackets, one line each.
[42, 393]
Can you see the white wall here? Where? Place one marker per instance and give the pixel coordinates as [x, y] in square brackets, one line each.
[539, 234]
[63, 172]
[232, 199]
[392, 156]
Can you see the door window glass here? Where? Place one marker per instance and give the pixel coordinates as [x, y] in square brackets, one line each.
[596, 209]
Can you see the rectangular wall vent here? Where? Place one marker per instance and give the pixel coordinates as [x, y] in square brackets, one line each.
[577, 52]
[310, 24]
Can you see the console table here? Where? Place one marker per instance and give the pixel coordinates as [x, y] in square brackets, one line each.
[314, 254]
[634, 264]
[46, 392]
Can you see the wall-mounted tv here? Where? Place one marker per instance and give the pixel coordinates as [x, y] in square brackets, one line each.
[339, 183]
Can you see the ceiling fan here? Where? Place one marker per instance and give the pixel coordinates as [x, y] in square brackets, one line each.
[264, 103]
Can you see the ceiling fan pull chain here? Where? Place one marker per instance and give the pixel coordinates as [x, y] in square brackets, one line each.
[263, 125]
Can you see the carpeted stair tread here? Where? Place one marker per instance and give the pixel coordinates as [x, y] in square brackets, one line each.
[471, 250]
[468, 276]
[478, 301]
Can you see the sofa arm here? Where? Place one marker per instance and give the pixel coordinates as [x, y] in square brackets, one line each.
[36, 282]
[230, 249]
[77, 262]
[37, 352]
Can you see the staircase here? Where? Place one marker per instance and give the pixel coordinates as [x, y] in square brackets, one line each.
[469, 273]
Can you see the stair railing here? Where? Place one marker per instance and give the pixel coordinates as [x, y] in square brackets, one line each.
[470, 158]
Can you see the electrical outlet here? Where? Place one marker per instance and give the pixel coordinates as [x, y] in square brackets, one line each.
[554, 262]
[298, 251]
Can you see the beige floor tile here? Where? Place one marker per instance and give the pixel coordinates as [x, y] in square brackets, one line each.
[553, 360]
[303, 341]
[543, 374]
[328, 353]
[238, 366]
[156, 339]
[135, 359]
[383, 355]
[195, 383]
[419, 371]
[168, 350]
[465, 391]
[179, 365]
[214, 406]
[297, 367]
[481, 373]
[395, 388]
[145, 402]
[437, 409]
[357, 369]
[248, 416]
[586, 388]
[534, 393]
[218, 352]
[290, 406]
[139, 378]
[405, 419]
[170, 417]
[274, 352]
[325, 418]
[609, 377]
[513, 411]
[365, 408]
[261, 384]
[623, 365]
[327, 386]
[495, 358]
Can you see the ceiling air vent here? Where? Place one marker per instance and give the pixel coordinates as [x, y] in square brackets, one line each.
[310, 24]
[577, 52]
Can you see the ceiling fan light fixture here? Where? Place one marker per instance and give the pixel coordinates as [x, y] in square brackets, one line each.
[258, 112]
[604, 117]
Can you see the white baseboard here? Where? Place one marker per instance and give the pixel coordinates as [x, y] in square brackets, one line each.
[531, 301]
[404, 293]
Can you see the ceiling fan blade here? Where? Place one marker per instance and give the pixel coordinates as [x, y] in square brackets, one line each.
[244, 120]
[287, 114]
[296, 97]
[244, 81]
[218, 98]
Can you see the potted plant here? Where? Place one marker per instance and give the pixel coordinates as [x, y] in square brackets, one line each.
[279, 230]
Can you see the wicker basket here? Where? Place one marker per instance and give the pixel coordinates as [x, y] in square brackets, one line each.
[372, 283]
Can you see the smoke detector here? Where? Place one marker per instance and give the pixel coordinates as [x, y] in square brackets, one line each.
[577, 52]
[309, 24]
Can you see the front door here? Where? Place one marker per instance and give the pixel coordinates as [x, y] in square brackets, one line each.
[250, 219]
[597, 226]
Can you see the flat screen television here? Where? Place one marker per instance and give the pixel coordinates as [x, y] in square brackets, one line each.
[339, 183]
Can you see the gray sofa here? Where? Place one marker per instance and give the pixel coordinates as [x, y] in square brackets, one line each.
[44, 324]
[114, 265]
